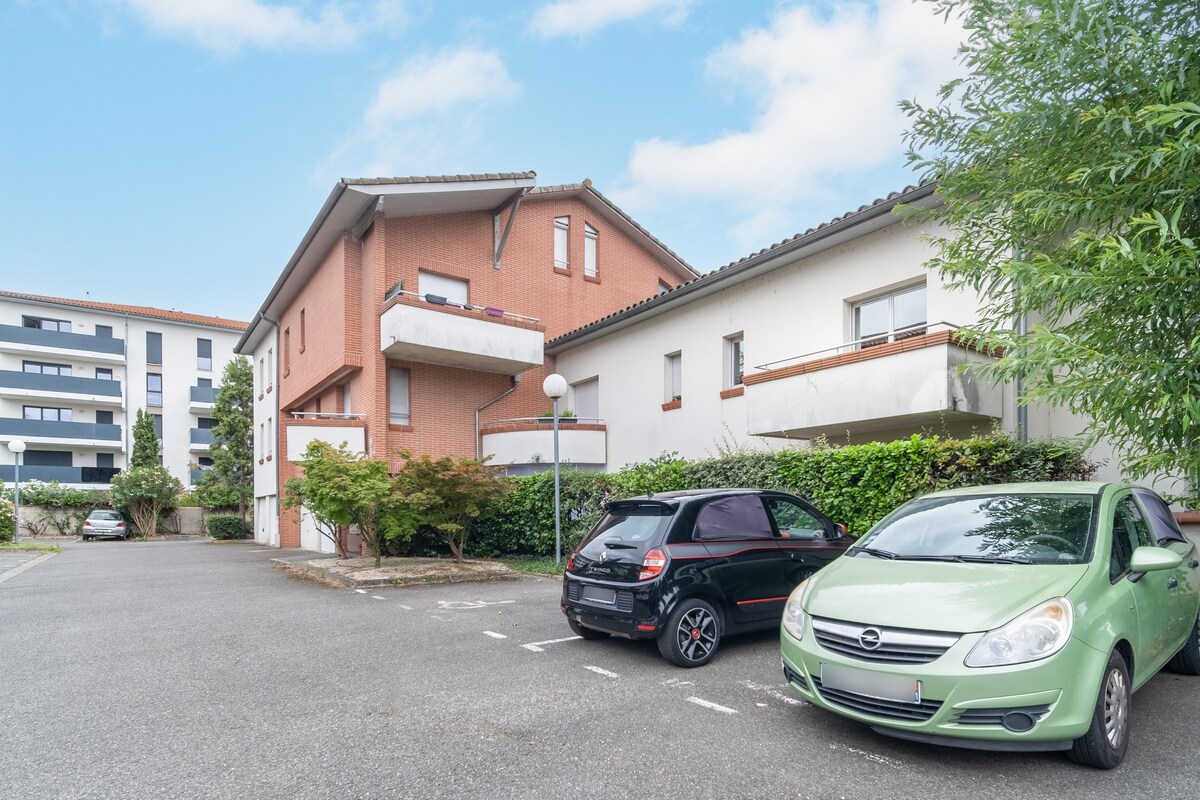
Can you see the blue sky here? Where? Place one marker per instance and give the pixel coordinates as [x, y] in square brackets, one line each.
[173, 152]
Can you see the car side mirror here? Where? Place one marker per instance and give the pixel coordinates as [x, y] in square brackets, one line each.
[1152, 559]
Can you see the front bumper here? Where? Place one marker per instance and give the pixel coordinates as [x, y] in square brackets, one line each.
[1046, 704]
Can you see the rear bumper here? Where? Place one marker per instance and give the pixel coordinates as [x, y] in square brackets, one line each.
[628, 628]
[632, 616]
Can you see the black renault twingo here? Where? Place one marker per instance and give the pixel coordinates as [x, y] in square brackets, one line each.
[688, 568]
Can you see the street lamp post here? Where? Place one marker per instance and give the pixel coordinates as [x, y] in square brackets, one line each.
[17, 447]
[555, 386]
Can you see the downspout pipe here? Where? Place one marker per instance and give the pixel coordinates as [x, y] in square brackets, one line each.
[516, 381]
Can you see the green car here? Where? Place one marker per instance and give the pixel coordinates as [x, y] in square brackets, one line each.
[1012, 617]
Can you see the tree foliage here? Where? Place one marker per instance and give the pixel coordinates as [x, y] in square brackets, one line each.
[146, 494]
[145, 441]
[231, 479]
[446, 494]
[1068, 165]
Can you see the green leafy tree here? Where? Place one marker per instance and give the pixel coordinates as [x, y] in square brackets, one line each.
[1068, 166]
[446, 494]
[340, 487]
[146, 494]
[145, 441]
[231, 479]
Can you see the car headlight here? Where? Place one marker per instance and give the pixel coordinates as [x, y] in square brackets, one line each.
[793, 612]
[1038, 633]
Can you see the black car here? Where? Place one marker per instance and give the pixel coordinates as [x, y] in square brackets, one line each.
[687, 568]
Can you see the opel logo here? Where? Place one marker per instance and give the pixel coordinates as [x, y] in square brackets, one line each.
[870, 639]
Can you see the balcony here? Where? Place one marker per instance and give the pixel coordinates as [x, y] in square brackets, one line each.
[35, 386]
[74, 346]
[468, 337]
[203, 399]
[73, 434]
[197, 475]
[71, 475]
[201, 440]
[520, 443]
[857, 392]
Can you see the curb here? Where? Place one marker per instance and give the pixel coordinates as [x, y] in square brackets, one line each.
[368, 583]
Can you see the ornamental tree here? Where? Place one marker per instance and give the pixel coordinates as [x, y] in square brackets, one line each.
[232, 475]
[1068, 165]
[145, 441]
[447, 493]
[145, 493]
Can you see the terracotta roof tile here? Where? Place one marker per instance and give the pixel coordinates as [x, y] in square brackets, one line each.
[140, 311]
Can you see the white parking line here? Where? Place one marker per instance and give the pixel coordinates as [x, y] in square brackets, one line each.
[15, 571]
[878, 759]
[536, 647]
[603, 672]
[713, 706]
[406, 608]
[360, 591]
[376, 597]
[494, 635]
[467, 605]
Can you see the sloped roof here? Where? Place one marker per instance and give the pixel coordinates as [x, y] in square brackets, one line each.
[138, 311]
[486, 176]
[748, 266]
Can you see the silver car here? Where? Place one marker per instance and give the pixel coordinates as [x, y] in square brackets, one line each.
[104, 522]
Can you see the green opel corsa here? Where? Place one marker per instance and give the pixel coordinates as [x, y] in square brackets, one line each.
[1011, 617]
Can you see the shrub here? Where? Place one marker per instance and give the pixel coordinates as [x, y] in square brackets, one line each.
[146, 494]
[226, 526]
[7, 520]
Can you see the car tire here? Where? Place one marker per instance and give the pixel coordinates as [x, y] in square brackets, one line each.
[1187, 660]
[691, 635]
[584, 632]
[1107, 738]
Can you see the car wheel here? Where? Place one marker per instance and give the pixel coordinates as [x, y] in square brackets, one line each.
[1107, 738]
[586, 633]
[691, 635]
[1187, 660]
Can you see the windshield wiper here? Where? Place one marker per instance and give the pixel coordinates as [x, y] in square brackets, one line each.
[872, 551]
[620, 546]
[964, 559]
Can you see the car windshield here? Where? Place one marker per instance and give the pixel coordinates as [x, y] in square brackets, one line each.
[104, 515]
[999, 528]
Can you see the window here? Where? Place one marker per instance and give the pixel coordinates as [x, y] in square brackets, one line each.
[104, 460]
[561, 226]
[153, 347]
[40, 368]
[269, 377]
[104, 418]
[204, 354]
[287, 352]
[269, 442]
[794, 521]
[104, 331]
[587, 399]
[206, 423]
[47, 324]
[1130, 531]
[157, 427]
[302, 334]
[887, 319]
[589, 250]
[204, 383]
[398, 404]
[154, 392]
[735, 360]
[738, 517]
[454, 290]
[663, 287]
[103, 374]
[673, 377]
[48, 458]
[346, 399]
[48, 414]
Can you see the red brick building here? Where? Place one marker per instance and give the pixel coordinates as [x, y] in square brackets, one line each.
[416, 310]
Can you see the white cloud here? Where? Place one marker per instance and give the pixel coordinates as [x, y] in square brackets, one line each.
[230, 25]
[425, 117]
[581, 17]
[825, 87]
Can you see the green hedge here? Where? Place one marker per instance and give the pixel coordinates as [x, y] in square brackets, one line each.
[226, 526]
[856, 484]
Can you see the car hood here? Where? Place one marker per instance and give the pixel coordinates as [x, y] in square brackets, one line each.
[934, 595]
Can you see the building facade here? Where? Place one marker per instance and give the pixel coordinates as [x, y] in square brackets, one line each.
[73, 374]
[414, 316]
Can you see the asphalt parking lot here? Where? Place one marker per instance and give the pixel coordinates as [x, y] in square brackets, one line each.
[200, 670]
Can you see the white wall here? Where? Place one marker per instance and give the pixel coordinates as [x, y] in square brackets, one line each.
[266, 415]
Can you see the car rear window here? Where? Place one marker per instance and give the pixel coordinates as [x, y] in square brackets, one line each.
[629, 527]
[105, 515]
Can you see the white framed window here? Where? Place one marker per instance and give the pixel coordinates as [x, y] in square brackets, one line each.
[562, 225]
[204, 354]
[47, 413]
[346, 399]
[269, 442]
[893, 316]
[735, 360]
[663, 287]
[589, 250]
[673, 377]
[453, 289]
[154, 389]
[399, 410]
[586, 400]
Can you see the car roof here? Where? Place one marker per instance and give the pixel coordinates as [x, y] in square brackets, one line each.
[1039, 487]
[686, 495]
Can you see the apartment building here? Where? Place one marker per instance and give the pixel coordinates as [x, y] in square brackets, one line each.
[73, 374]
[414, 314]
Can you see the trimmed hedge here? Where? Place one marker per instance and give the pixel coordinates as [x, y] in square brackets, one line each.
[856, 484]
[226, 526]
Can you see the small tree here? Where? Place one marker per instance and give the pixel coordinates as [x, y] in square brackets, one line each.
[145, 442]
[447, 494]
[232, 450]
[145, 493]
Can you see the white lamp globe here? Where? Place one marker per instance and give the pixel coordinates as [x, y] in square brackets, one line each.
[555, 386]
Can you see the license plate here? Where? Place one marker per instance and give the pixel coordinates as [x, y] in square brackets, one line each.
[896, 688]
[595, 594]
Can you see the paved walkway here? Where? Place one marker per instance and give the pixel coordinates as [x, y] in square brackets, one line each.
[14, 562]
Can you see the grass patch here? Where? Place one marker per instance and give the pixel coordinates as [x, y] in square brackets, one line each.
[44, 547]
[535, 565]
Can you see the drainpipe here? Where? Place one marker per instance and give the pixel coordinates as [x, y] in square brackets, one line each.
[1022, 409]
[516, 380]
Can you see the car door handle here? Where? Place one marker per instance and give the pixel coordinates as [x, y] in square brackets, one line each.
[1171, 584]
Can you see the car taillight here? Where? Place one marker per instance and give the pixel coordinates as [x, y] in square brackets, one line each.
[570, 562]
[652, 564]
[120, 524]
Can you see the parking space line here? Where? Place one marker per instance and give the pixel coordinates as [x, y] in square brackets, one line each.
[15, 571]
[713, 706]
[376, 597]
[494, 635]
[603, 672]
[406, 608]
[360, 591]
[536, 647]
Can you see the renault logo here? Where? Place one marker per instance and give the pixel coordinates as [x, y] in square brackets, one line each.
[603, 555]
[870, 639]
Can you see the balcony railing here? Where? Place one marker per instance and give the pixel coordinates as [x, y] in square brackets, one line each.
[18, 337]
[865, 343]
[525, 441]
[202, 436]
[33, 472]
[203, 395]
[42, 430]
[31, 384]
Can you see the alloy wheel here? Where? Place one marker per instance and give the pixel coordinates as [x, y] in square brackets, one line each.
[697, 634]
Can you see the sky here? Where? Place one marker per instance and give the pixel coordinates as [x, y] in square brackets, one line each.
[173, 153]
